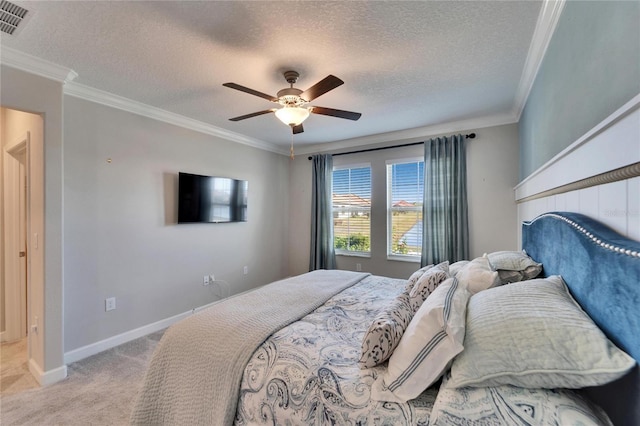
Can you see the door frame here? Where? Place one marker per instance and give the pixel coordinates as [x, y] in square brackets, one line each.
[16, 269]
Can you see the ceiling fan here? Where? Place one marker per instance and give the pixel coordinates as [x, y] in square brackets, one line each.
[294, 101]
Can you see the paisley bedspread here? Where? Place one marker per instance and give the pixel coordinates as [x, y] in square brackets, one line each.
[307, 373]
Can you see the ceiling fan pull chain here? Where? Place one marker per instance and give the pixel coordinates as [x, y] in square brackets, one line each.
[291, 150]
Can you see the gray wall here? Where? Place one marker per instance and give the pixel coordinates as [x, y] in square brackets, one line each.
[2, 142]
[121, 237]
[30, 93]
[492, 166]
[591, 68]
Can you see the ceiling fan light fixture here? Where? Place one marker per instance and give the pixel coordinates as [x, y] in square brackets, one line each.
[292, 116]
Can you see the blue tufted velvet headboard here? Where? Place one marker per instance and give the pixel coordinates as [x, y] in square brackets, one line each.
[602, 270]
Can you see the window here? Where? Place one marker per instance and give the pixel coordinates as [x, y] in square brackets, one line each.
[352, 209]
[405, 189]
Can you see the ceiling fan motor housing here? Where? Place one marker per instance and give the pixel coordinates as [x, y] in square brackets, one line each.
[290, 97]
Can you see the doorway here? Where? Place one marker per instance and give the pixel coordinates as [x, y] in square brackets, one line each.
[15, 199]
[21, 212]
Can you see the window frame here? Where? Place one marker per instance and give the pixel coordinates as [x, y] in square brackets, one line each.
[354, 253]
[414, 258]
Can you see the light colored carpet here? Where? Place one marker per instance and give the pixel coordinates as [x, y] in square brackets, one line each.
[99, 390]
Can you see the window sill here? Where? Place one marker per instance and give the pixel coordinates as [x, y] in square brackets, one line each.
[353, 254]
[400, 258]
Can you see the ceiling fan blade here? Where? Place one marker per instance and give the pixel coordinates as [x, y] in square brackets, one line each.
[250, 91]
[320, 88]
[253, 114]
[297, 129]
[349, 115]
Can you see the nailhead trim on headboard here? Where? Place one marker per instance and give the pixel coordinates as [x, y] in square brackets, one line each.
[593, 238]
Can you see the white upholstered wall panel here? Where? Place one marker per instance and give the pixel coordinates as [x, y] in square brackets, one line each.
[633, 208]
[612, 144]
[616, 204]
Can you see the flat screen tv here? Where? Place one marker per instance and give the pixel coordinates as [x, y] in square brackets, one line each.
[210, 199]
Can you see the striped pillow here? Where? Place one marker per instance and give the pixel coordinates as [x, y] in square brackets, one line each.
[432, 339]
[533, 334]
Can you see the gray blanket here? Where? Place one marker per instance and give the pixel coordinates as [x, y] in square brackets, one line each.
[195, 373]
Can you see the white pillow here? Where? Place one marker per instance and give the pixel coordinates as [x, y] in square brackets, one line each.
[533, 334]
[477, 275]
[454, 268]
[434, 336]
[426, 284]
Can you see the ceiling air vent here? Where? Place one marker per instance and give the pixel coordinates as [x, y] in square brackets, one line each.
[11, 15]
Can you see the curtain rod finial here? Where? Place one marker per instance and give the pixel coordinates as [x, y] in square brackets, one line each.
[470, 136]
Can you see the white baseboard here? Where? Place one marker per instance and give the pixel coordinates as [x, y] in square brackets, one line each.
[112, 342]
[49, 377]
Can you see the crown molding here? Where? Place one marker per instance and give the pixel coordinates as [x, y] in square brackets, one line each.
[410, 135]
[32, 64]
[545, 27]
[105, 98]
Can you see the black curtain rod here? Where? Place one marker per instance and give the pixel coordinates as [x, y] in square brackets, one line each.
[469, 136]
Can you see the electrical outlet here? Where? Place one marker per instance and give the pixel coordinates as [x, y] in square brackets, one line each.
[358, 267]
[110, 304]
[205, 280]
[245, 270]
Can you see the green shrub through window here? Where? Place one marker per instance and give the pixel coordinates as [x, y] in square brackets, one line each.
[352, 209]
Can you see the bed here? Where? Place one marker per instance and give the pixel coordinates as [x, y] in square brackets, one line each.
[299, 351]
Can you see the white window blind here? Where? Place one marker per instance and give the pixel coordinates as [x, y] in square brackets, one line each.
[405, 191]
[352, 209]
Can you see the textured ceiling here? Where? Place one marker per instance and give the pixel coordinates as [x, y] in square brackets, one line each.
[405, 64]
